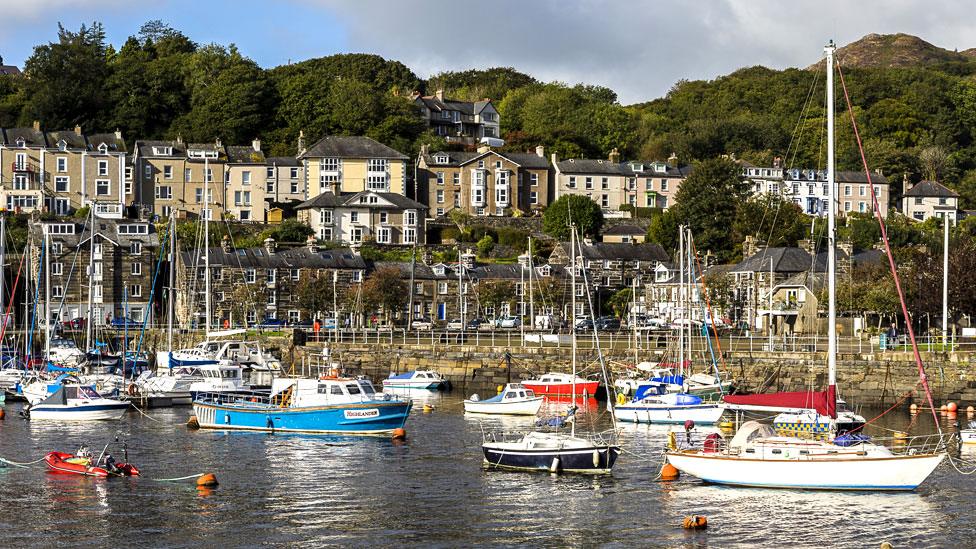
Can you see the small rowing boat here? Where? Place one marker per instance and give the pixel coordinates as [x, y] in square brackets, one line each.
[60, 462]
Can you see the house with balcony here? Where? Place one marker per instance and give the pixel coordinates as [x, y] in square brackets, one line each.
[927, 199]
[351, 164]
[484, 183]
[808, 188]
[62, 171]
[612, 183]
[123, 258]
[466, 122]
[357, 217]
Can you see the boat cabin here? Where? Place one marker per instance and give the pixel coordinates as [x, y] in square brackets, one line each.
[298, 392]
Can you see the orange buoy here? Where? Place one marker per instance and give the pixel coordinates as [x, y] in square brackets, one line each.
[192, 423]
[399, 434]
[952, 407]
[207, 480]
[3, 414]
[695, 522]
[669, 472]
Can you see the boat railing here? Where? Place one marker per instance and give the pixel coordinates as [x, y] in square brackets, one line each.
[237, 397]
[897, 445]
[917, 444]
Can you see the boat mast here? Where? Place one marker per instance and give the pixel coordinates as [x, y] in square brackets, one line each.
[3, 261]
[206, 243]
[945, 282]
[47, 295]
[681, 301]
[572, 274]
[831, 242]
[90, 325]
[531, 300]
[172, 289]
[633, 316]
[689, 286]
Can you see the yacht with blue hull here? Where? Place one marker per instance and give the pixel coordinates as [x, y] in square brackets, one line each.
[327, 406]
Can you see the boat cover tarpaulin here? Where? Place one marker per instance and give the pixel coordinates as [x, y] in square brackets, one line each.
[824, 402]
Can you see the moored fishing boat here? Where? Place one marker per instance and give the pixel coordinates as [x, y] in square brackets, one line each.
[514, 399]
[550, 451]
[559, 384]
[417, 379]
[654, 404]
[331, 406]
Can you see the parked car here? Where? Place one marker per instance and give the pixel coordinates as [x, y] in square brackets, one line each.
[508, 322]
[607, 324]
[302, 324]
[474, 324]
[422, 324]
[125, 322]
[78, 323]
[272, 323]
[455, 325]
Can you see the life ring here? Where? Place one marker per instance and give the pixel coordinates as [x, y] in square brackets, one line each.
[133, 390]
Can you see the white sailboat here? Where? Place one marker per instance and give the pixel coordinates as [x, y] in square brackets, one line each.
[758, 457]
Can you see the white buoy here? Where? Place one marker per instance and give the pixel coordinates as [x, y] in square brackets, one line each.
[554, 468]
[596, 458]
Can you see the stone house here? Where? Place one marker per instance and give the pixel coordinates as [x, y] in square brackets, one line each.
[352, 164]
[284, 180]
[753, 278]
[271, 277]
[175, 174]
[624, 234]
[62, 171]
[796, 305]
[465, 122]
[928, 199]
[123, 254]
[245, 182]
[353, 218]
[808, 188]
[483, 183]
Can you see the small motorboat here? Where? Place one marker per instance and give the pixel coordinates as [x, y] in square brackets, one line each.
[558, 384]
[550, 451]
[60, 462]
[515, 399]
[76, 402]
[417, 379]
[654, 404]
[968, 436]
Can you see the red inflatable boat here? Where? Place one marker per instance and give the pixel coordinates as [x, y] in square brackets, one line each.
[60, 462]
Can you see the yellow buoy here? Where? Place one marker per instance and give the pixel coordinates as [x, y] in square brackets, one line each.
[726, 425]
[900, 436]
[695, 522]
[500, 389]
[192, 423]
[669, 472]
[207, 480]
[428, 408]
[400, 433]
[621, 399]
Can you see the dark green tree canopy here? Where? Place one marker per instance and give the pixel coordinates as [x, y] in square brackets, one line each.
[585, 214]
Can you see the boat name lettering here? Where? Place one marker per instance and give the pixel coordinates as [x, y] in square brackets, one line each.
[356, 414]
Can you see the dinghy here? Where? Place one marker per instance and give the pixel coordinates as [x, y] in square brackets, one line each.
[60, 462]
[515, 400]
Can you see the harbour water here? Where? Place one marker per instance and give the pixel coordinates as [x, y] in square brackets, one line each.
[431, 490]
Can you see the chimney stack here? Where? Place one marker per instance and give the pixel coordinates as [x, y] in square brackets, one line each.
[77, 130]
[37, 125]
[439, 94]
[614, 156]
[554, 158]
[270, 245]
[301, 141]
[467, 259]
[540, 151]
[179, 138]
[225, 244]
[673, 159]
[256, 144]
[906, 185]
[483, 148]
[778, 162]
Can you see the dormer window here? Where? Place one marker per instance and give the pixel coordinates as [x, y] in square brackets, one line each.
[439, 270]
[162, 151]
[441, 159]
[637, 167]
[21, 143]
[199, 153]
[103, 148]
[62, 145]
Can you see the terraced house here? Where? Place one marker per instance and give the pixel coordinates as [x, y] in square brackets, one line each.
[245, 182]
[253, 284]
[613, 184]
[172, 176]
[466, 122]
[808, 188]
[62, 171]
[349, 164]
[123, 256]
[484, 183]
[354, 218]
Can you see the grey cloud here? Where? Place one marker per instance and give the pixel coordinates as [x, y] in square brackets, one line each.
[638, 48]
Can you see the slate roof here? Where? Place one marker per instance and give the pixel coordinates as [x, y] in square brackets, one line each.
[145, 148]
[114, 141]
[784, 260]
[73, 140]
[464, 107]
[931, 189]
[105, 228]
[650, 171]
[330, 200]
[589, 166]
[244, 154]
[455, 158]
[339, 146]
[32, 137]
[812, 281]
[339, 258]
[211, 147]
[620, 251]
[284, 161]
[527, 160]
[628, 230]
[9, 69]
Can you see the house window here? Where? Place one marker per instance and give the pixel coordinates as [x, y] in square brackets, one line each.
[456, 178]
[943, 201]
[242, 198]
[103, 187]
[164, 192]
[295, 274]
[57, 248]
[57, 291]
[103, 167]
[605, 183]
[588, 183]
[354, 217]
[245, 215]
[440, 212]
[147, 171]
[63, 164]
[572, 182]
[271, 172]
[187, 174]
[136, 269]
[135, 290]
[61, 184]
[376, 178]
[271, 300]
[251, 317]
[357, 235]
[861, 206]
[919, 215]
[293, 316]
[533, 197]
[165, 211]
[442, 288]
[410, 217]
[847, 190]
[409, 236]
[325, 217]
[357, 276]
[534, 179]
[418, 288]
[605, 201]
[918, 200]
[440, 196]
[383, 235]
[135, 248]
[664, 185]
[440, 178]
[250, 276]
[57, 269]
[847, 206]
[384, 218]
[167, 172]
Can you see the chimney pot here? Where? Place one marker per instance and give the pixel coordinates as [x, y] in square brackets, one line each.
[77, 129]
[614, 156]
[540, 151]
[439, 94]
[270, 245]
[256, 144]
[37, 125]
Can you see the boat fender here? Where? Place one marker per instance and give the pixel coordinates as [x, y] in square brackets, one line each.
[596, 458]
[621, 398]
[669, 472]
[475, 398]
[554, 467]
[133, 390]
[695, 522]
[207, 480]
[399, 433]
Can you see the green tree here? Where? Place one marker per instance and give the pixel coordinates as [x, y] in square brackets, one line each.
[493, 293]
[585, 214]
[315, 294]
[621, 301]
[292, 230]
[386, 290]
[485, 245]
[771, 219]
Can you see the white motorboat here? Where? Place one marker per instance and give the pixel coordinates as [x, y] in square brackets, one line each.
[10, 377]
[77, 402]
[550, 451]
[220, 378]
[654, 404]
[64, 352]
[173, 384]
[416, 379]
[758, 457]
[968, 436]
[514, 399]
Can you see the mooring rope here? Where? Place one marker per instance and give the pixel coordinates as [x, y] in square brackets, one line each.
[23, 465]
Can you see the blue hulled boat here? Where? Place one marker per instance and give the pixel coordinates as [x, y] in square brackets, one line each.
[328, 405]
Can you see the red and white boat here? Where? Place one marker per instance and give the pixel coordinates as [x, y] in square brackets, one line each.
[556, 384]
[60, 462]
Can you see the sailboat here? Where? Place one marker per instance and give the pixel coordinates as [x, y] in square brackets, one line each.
[758, 457]
[554, 451]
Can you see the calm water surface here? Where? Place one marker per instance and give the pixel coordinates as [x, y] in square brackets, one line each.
[431, 491]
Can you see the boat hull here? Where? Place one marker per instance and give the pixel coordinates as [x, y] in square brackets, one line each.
[704, 414]
[528, 407]
[880, 473]
[968, 436]
[368, 418]
[585, 389]
[411, 384]
[57, 463]
[597, 460]
[68, 412]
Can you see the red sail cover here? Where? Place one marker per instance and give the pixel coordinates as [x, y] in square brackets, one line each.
[824, 402]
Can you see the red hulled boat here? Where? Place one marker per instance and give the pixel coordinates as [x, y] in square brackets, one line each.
[60, 462]
[555, 384]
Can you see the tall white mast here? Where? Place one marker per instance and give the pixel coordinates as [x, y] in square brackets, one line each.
[945, 282]
[831, 240]
[90, 324]
[572, 273]
[47, 296]
[206, 242]
[681, 289]
[531, 300]
[3, 261]
[172, 281]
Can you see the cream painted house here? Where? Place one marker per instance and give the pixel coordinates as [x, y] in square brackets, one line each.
[245, 182]
[351, 164]
[354, 218]
[928, 199]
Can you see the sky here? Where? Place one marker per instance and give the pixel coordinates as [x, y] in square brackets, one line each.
[639, 48]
